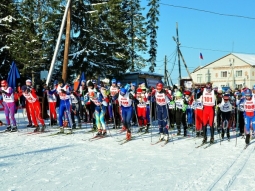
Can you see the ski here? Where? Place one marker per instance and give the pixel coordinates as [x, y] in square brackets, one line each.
[246, 146]
[165, 142]
[58, 133]
[98, 138]
[200, 145]
[36, 133]
[156, 142]
[125, 141]
[210, 144]
[95, 137]
[4, 131]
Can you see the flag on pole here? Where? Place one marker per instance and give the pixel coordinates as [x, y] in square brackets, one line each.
[201, 56]
[13, 75]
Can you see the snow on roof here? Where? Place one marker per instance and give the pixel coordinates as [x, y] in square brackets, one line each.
[248, 58]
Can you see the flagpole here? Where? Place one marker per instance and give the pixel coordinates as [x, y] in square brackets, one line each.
[58, 42]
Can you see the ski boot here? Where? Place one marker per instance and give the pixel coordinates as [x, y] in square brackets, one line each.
[14, 129]
[179, 131]
[185, 133]
[55, 122]
[37, 128]
[79, 125]
[61, 129]
[8, 128]
[128, 135]
[99, 132]
[43, 128]
[147, 128]
[204, 140]
[228, 134]
[247, 139]
[74, 126]
[161, 138]
[198, 134]
[211, 140]
[140, 129]
[166, 137]
[104, 133]
[30, 125]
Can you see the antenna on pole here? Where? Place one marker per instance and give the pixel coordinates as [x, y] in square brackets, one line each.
[181, 56]
[178, 50]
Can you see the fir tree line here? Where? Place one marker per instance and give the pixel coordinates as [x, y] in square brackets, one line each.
[107, 37]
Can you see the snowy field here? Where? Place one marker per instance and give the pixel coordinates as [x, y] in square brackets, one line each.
[32, 162]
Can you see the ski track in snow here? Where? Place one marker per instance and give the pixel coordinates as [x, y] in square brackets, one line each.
[66, 162]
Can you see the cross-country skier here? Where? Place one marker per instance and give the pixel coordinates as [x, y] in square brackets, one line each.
[141, 109]
[208, 111]
[189, 111]
[9, 105]
[240, 112]
[75, 108]
[180, 113]
[125, 100]
[63, 91]
[100, 109]
[52, 100]
[113, 107]
[33, 104]
[198, 107]
[226, 109]
[161, 106]
[249, 116]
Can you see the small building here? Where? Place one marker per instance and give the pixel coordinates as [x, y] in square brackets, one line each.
[150, 79]
[234, 70]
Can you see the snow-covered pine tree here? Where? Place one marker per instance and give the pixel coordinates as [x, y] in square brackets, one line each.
[136, 32]
[7, 23]
[152, 27]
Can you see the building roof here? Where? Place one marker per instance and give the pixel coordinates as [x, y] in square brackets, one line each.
[248, 58]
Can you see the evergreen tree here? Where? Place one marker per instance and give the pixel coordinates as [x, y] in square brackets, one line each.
[7, 23]
[98, 45]
[136, 32]
[32, 42]
[152, 27]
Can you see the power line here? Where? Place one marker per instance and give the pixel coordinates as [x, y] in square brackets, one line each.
[211, 12]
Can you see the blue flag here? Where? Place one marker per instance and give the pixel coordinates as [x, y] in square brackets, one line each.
[13, 75]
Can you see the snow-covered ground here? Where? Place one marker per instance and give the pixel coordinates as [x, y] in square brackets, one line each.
[32, 162]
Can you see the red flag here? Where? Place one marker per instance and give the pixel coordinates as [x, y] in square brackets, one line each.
[201, 56]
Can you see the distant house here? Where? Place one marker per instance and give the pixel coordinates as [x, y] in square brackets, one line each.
[149, 78]
[233, 70]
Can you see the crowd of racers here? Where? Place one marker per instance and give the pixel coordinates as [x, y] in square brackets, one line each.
[134, 104]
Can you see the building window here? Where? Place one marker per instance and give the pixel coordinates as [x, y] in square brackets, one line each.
[224, 74]
[199, 78]
[208, 77]
[239, 73]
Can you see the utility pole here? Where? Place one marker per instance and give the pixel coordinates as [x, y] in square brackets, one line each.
[178, 50]
[58, 43]
[165, 71]
[67, 44]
